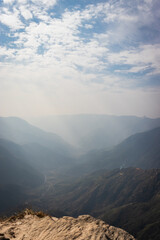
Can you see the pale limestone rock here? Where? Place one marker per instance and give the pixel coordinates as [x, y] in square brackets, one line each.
[84, 227]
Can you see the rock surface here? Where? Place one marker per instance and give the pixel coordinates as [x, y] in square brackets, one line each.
[84, 227]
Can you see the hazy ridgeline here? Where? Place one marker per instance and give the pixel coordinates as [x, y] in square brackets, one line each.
[90, 132]
[109, 168]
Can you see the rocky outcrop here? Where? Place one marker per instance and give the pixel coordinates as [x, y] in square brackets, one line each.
[85, 227]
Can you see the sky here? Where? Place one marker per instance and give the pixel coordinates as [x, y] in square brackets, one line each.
[79, 56]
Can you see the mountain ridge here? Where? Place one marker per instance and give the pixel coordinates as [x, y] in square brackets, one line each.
[21, 132]
[140, 150]
[90, 131]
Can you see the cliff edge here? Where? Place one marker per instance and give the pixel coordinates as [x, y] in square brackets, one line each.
[85, 227]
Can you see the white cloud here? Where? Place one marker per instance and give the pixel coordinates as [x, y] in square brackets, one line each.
[22, 1]
[25, 12]
[11, 20]
[62, 43]
[7, 53]
[28, 8]
[142, 57]
[8, 1]
[88, 26]
[45, 3]
[59, 40]
[134, 69]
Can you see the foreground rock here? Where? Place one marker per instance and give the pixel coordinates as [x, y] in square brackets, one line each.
[84, 227]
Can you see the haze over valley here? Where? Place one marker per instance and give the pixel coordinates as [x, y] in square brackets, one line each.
[119, 183]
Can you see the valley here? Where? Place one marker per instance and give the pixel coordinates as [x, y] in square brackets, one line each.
[120, 185]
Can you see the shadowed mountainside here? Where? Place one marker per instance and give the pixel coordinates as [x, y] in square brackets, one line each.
[16, 176]
[25, 160]
[14, 168]
[127, 198]
[44, 151]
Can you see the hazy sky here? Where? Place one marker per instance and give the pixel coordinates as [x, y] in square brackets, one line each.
[79, 56]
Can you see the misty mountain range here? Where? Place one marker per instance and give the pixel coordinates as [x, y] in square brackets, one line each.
[21, 132]
[46, 151]
[141, 150]
[112, 182]
[90, 132]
